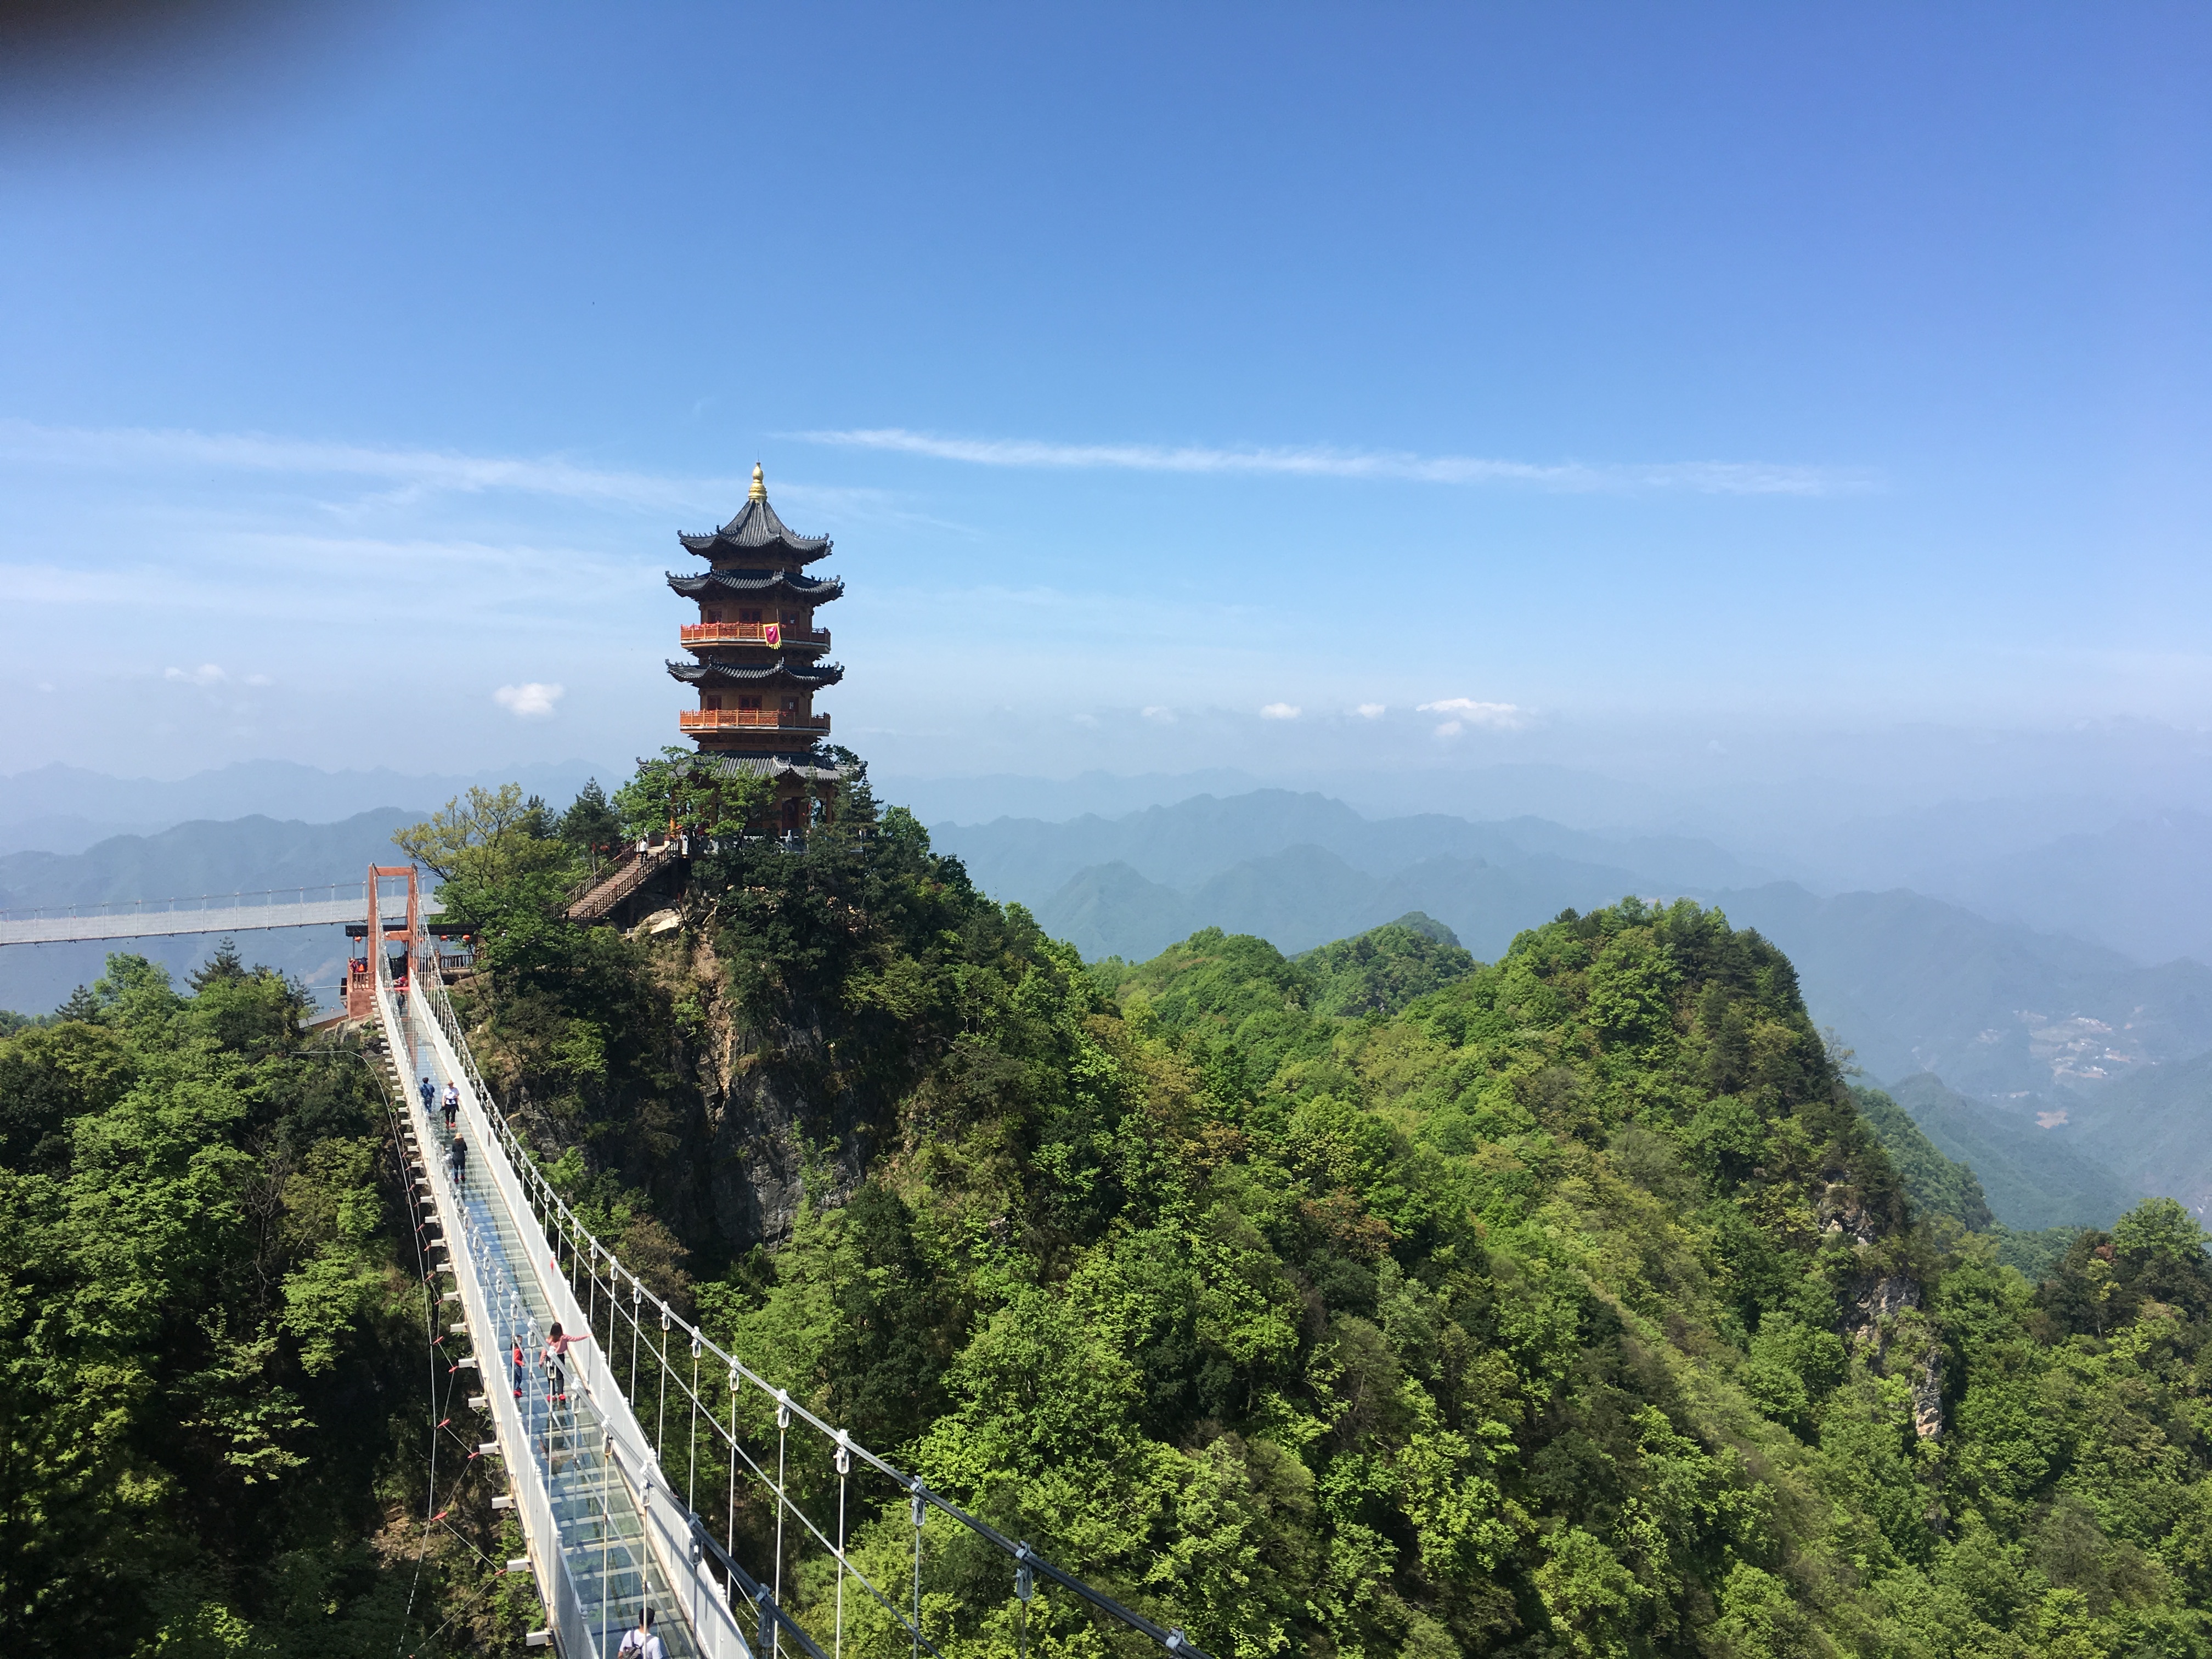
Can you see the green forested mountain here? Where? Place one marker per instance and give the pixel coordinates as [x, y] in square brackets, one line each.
[1382, 970]
[1377, 1302]
[1573, 1308]
[1936, 1185]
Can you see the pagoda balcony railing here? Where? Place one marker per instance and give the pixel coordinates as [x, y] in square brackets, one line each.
[742, 719]
[753, 634]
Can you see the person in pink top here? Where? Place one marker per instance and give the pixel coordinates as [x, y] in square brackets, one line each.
[556, 1354]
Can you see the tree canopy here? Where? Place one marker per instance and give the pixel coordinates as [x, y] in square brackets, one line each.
[216, 1420]
[1378, 1302]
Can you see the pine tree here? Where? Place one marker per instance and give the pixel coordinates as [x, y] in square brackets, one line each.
[82, 1006]
[225, 966]
[590, 822]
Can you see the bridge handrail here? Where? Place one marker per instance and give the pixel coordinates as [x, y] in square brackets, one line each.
[712, 1620]
[523, 1170]
[328, 892]
[1172, 1640]
[541, 1532]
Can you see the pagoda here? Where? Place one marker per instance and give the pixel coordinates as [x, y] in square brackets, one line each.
[757, 656]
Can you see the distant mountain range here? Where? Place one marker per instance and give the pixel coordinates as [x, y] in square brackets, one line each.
[2154, 1128]
[2033, 1176]
[2143, 885]
[1190, 841]
[1996, 1008]
[2069, 1077]
[2094, 1073]
[1914, 983]
[2102, 865]
[66, 809]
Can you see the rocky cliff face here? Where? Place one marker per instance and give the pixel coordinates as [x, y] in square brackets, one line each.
[667, 1086]
[767, 1112]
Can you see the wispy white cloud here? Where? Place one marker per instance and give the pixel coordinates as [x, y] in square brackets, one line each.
[1371, 711]
[410, 469]
[1279, 711]
[1464, 712]
[271, 576]
[533, 700]
[1707, 478]
[402, 478]
[1160, 716]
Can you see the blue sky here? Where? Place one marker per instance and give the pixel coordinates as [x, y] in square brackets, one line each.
[1551, 384]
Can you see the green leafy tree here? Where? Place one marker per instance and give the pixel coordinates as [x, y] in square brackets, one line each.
[679, 789]
[211, 1353]
[2160, 1228]
[485, 837]
[591, 825]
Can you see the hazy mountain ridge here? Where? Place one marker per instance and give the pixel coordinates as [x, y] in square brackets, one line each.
[1915, 984]
[1918, 984]
[2143, 885]
[67, 809]
[1187, 843]
[2109, 866]
[2029, 1020]
[2152, 1129]
[242, 855]
[2033, 1178]
[1306, 896]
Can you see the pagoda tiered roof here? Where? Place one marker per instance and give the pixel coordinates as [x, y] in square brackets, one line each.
[756, 529]
[758, 584]
[811, 765]
[782, 672]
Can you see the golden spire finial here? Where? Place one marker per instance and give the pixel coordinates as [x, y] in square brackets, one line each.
[759, 491]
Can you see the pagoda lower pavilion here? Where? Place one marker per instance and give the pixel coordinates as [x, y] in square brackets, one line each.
[757, 656]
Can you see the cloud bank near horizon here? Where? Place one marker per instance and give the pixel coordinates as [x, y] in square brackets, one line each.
[1702, 478]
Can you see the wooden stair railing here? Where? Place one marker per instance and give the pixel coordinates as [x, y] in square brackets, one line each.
[631, 873]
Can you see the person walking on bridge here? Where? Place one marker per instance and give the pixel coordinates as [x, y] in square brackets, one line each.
[557, 1357]
[429, 1091]
[457, 1160]
[452, 1103]
[641, 1641]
